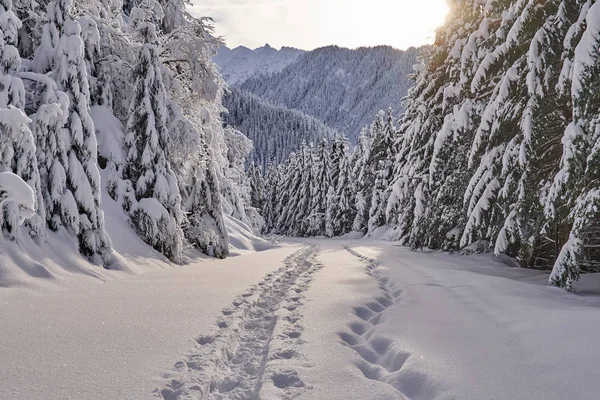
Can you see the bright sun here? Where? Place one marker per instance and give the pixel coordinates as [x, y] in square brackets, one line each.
[401, 23]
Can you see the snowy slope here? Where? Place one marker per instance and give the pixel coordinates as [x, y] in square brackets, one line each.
[325, 319]
[239, 64]
[116, 340]
[469, 328]
[55, 263]
[242, 238]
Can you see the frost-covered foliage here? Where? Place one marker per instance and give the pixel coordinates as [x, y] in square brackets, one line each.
[16, 190]
[146, 168]
[125, 87]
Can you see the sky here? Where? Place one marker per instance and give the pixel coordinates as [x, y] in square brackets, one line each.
[308, 24]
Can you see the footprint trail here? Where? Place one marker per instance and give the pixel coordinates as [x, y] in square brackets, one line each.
[382, 359]
[255, 344]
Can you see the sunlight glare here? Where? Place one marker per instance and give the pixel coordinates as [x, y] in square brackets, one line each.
[308, 24]
[400, 23]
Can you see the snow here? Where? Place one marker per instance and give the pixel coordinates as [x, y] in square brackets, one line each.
[350, 319]
[154, 209]
[115, 340]
[586, 50]
[242, 238]
[13, 188]
[110, 133]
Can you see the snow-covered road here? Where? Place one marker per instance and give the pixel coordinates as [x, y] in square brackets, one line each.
[322, 319]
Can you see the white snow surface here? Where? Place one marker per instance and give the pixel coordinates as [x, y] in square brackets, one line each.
[310, 319]
[242, 238]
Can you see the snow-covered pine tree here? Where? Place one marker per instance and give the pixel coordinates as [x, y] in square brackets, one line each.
[205, 228]
[83, 177]
[307, 190]
[297, 201]
[577, 184]
[362, 182]
[51, 153]
[272, 183]
[498, 196]
[381, 161]
[528, 233]
[336, 156]
[448, 172]
[257, 187]
[157, 214]
[318, 203]
[343, 211]
[285, 197]
[17, 146]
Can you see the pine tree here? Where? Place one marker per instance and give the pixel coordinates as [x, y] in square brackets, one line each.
[336, 161]
[146, 165]
[307, 190]
[362, 182]
[257, 187]
[342, 212]
[17, 145]
[345, 212]
[83, 178]
[579, 173]
[381, 160]
[285, 198]
[271, 196]
[322, 183]
[51, 153]
[205, 228]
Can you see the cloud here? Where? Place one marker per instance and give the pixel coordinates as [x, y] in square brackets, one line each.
[309, 24]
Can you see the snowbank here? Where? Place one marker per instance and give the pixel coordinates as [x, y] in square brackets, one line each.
[55, 262]
[242, 239]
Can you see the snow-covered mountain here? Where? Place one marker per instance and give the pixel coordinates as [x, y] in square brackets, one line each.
[239, 64]
[344, 88]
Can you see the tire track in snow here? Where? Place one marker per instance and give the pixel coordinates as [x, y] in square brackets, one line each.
[382, 359]
[255, 344]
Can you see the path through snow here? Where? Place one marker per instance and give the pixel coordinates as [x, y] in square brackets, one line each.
[245, 355]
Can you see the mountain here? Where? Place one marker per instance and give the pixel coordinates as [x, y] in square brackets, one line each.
[344, 88]
[239, 64]
[276, 131]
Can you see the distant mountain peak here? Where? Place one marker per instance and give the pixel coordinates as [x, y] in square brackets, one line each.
[241, 63]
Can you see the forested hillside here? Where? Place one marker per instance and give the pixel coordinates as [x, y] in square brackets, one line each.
[344, 88]
[274, 130]
[121, 98]
[498, 148]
